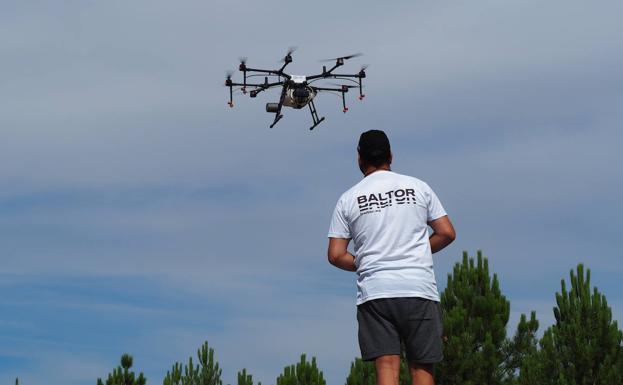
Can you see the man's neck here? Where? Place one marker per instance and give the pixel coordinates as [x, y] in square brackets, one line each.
[373, 169]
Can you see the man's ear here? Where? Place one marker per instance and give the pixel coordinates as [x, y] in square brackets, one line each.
[360, 164]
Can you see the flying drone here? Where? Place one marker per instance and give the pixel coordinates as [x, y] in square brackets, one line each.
[296, 91]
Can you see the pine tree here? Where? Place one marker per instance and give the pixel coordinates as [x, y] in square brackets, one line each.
[303, 373]
[364, 372]
[174, 376]
[523, 344]
[361, 373]
[475, 318]
[476, 349]
[122, 374]
[207, 372]
[583, 346]
[245, 379]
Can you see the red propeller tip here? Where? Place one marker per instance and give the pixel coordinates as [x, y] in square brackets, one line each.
[230, 104]
[361, 97]
[345, 109]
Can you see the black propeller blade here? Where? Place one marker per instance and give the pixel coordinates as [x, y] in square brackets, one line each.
[344, 57]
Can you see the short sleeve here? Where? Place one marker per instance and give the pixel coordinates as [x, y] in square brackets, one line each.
[339, 225]
[435, 209]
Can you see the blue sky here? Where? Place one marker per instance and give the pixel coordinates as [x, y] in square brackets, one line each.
[139, 214]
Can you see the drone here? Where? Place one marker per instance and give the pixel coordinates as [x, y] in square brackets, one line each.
[296, 91]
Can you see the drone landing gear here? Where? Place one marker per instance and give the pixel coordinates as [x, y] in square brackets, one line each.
[276, 107]
[277, 118]
[314, 114]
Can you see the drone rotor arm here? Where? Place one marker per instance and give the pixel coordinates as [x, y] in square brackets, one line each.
[359, 78]
[329, 75]
[269, 72]
[325, 73]
[314, 77]
[329, 89]
[344, 76]
[264, 87]
[259, 85]
[334, 78]
[245, 84]
[343, 90]
[283, 66]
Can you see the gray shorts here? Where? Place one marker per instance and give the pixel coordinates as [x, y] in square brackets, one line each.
[385, 323]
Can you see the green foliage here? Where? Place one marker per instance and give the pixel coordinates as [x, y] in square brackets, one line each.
[245, 379]
[523, 344]
[174, 376]
[364, 372]
[404, 375]
[303, 373]
[122, 375]
[361, 373]
[207, 372]
[475, 318]
[475, 345]
[583, 346]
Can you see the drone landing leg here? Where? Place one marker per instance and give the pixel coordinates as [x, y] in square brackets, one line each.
[278, 114]
[277, 118]
[314, 114]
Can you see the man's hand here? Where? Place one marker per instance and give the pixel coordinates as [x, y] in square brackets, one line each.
[443, 233]
[339, 256]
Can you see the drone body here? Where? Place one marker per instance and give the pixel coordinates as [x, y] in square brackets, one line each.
[298, 94]
[297, 91]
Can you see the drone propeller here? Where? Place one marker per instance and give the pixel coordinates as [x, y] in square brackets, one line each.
[362, 72]
[344, 57]
[228, 83]
[288, 57]
[243, 63]
[228, 75]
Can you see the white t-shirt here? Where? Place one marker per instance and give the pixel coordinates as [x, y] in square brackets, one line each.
[386, 216]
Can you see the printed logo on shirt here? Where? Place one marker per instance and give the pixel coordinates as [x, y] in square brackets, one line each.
[373, 203]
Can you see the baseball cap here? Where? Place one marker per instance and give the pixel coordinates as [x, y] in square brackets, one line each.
[373, 144]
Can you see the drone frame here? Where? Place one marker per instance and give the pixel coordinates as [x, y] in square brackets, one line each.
[286, 82]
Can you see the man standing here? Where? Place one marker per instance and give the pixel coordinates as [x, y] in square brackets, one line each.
[387, 216]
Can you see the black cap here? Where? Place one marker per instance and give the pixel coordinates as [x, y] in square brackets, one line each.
[374, 146]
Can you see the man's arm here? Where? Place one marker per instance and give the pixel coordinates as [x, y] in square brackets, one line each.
[339, 256]
[443, 233]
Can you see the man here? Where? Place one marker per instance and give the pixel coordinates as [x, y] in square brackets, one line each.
[387, 216]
